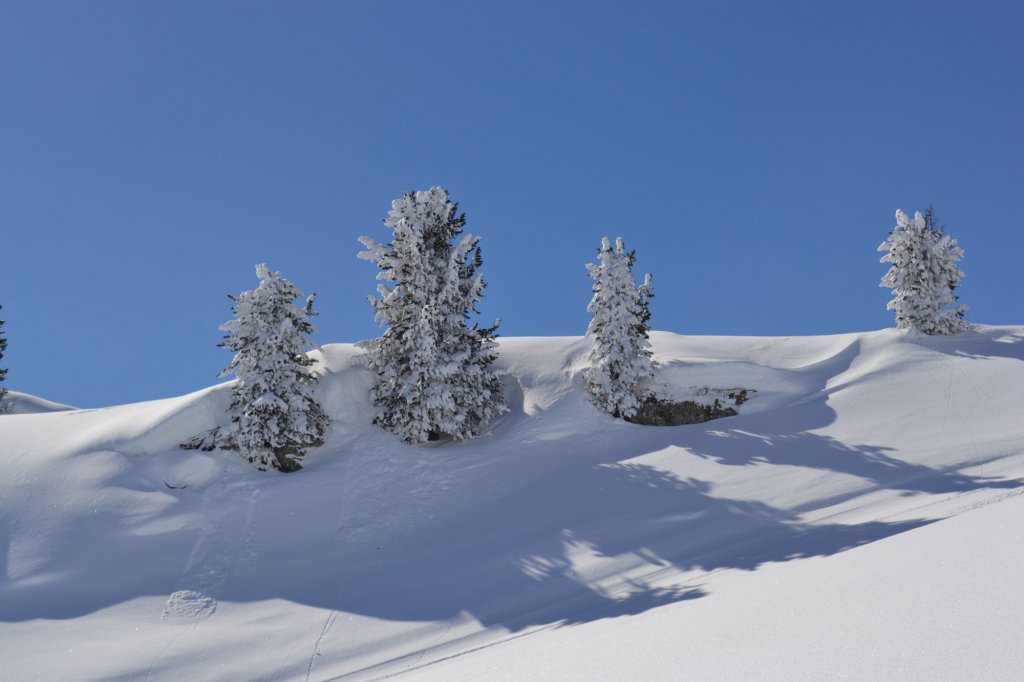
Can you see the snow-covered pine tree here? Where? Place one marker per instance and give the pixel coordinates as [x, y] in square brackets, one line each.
[621, 362]
[923, 275]
[3, 372]
[274, 414]
[434, 372]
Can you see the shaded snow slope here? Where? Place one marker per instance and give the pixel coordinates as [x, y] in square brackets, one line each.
[564, 543]
[941, 603]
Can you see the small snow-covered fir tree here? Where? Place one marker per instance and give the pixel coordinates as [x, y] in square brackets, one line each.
[3, 372]
[274, 414]
[923, 275]
[621, 364]
[434, 371]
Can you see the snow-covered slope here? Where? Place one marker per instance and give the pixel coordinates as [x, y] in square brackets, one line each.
[861, 518]
[23, 403]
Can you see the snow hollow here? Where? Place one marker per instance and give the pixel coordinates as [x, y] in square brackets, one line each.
[861, 518]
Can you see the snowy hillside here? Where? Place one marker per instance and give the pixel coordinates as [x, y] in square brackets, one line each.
[23, 403]
[860, 519]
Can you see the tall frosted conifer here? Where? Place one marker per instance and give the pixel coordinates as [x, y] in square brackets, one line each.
[923, 275]
[3, 372]
[621, 356]
[434, 371]
[274, 415]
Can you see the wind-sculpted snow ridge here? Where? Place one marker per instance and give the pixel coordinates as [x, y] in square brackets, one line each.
[858, 519]
[14, 402]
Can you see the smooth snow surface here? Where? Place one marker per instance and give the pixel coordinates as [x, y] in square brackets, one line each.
[23, 403]
[862, 518]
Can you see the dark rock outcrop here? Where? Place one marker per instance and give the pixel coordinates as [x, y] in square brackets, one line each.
[660, 412]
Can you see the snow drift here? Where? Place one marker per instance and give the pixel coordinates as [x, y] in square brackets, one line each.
[810, 536]
[23, 403]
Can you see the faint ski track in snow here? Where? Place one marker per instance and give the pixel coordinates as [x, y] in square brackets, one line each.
[960, 509]
[462, 652]
[690, 585]
[440, 638]
[1011, 447]
[954, 367]
[650, 578]
[945, 387]
[437, 642]
[328, 624]
[952, 403]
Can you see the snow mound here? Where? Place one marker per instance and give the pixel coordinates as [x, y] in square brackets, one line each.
[188, 606]
[23, 403]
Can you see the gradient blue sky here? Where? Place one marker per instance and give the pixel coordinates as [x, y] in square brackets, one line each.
[752, 153]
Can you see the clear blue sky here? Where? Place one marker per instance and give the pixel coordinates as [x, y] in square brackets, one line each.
[753, 154]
